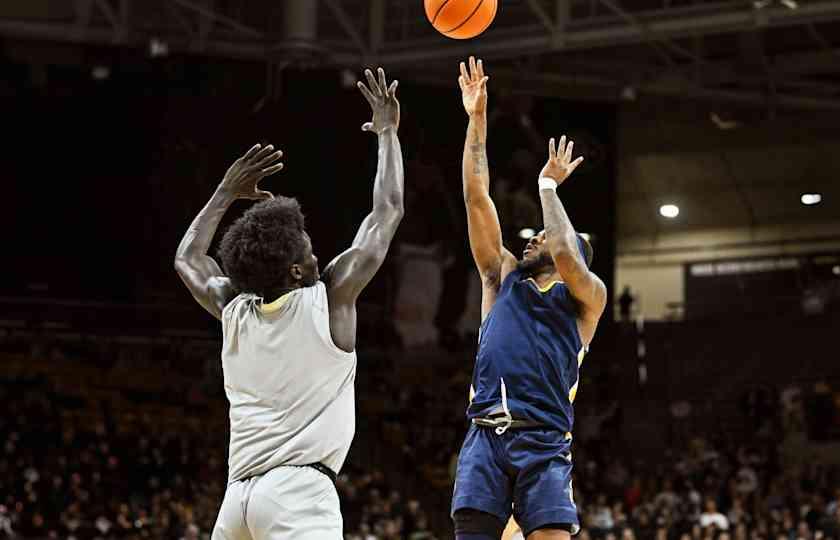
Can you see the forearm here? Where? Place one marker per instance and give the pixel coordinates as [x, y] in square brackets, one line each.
[196, 241]
[388, 187]
[474, 167]
[559, 234]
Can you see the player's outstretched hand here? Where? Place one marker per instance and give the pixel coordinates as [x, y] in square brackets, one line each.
[473, 85]
[243, 177]
[383, 102]
[560, 165]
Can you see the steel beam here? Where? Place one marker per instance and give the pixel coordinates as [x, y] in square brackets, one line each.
[347, 25]
[377, 25]
[233, 24]
[605, 89]
[673, 23]
[541, 15]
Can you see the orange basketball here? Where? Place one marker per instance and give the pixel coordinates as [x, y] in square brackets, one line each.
[461, 19]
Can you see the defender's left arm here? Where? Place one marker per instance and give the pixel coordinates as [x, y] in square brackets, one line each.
[352, 270]
[197, 269]
[585, 286]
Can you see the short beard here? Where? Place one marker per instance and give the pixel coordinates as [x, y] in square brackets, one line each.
[532, 266]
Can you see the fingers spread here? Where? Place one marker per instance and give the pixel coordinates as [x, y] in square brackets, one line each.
[374, 88]
[365, 92]
[464, 74]
[551, 153]
[382, 84]
[265, 151]
[250, 153]
[393, 88]
[268, 171]
[473, 69]
[561, 148]
[575, 163]
[268, 160]
[569, 148]
[480, 69]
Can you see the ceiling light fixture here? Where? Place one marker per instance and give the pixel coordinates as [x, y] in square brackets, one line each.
[810, 199]
[669, 211]
[526, 233]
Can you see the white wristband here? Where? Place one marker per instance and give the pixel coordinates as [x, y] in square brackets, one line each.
[547, 183]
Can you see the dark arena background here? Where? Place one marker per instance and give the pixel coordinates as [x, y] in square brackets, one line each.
[709, 405]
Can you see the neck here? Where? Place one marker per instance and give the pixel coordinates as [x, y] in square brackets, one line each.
[544, 276]
[274, 294]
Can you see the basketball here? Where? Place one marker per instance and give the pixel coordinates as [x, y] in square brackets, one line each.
[461, 19]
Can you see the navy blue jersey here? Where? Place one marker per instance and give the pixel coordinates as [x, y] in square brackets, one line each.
[530, 340]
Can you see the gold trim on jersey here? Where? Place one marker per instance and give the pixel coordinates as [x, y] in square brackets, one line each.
[272, 307]
[574, 389]
[547, 287]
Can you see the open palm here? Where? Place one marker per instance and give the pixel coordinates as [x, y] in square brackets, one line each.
[560, 165]
[473, 85]
[383, 102]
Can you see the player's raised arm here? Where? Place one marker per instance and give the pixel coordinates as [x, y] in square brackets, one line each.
[585, 286]
[351, 271]
[491, 258]
[198, 270]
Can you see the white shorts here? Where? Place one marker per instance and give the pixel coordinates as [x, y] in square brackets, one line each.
[286, 503]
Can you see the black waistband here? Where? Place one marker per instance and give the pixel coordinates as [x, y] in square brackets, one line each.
[513, 424]
[323, 469]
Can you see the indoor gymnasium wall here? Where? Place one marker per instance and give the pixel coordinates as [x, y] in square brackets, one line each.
[653, 266]
[736, 175]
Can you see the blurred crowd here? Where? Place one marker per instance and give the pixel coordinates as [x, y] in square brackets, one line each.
[712, 491]
[66, 477]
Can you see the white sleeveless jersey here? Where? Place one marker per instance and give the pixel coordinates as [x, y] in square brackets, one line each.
[290, 388]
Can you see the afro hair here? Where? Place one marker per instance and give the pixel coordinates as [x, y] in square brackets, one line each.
[262, 244]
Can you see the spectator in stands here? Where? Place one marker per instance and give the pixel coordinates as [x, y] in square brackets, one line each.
[711, 516]
[625, 304]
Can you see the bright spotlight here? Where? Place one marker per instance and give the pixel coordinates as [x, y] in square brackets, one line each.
[836, 270]
[100, 73]
[669, 210]
[158, 48]
[810, 198]
[526, 233]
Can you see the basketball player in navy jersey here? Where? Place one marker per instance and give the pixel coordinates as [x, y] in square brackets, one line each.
[539, 315]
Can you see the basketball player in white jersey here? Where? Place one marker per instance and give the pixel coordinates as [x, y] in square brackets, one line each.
[289, 337]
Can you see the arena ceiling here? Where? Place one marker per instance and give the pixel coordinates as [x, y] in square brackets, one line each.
[771, 57]
[727, 50]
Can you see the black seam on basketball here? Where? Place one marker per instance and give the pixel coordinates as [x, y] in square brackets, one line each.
[465, 21]
[490, 20]
[440, 8]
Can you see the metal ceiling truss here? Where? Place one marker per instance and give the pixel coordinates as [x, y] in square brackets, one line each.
[352, 33]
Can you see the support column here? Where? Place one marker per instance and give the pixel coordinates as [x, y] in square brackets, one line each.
[300, 22]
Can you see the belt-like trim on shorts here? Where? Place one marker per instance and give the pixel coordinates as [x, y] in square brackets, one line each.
[321, 468]
[496, 421]
[512, 424]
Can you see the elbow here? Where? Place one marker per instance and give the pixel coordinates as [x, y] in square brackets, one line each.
[395, 215]
[399, 211]
[392, 210]
[180, 264]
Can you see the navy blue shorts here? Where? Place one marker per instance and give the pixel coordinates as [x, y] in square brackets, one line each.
[525, 472]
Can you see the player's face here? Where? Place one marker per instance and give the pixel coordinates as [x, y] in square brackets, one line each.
[535, 255]
[536, 246]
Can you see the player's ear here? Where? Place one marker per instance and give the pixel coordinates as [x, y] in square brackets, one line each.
[296, 271]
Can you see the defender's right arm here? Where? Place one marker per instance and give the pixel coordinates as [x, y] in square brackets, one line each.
[197, 269]
[494, 262]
